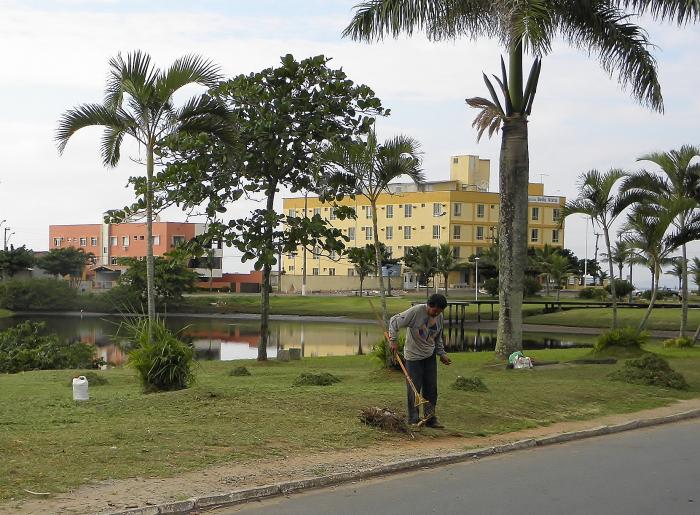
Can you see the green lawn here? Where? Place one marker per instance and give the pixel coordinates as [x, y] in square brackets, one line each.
[49, 443]
[667, 319]
[4, 313]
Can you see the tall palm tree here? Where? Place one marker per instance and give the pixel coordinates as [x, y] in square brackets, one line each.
[446, 262]
[541, 260]
[601, 27]
[695, 270]
[374, 165]
[559, 268]
[139, 103]
[597, 200]
[619, 256]
[677, 270]
[678, 180]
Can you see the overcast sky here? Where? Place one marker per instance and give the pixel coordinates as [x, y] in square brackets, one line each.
[55, 56]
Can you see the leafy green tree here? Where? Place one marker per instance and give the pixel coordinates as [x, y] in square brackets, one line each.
[68, 261]
[284, 115]
[446, 262]
[15, 260]
[172, 278]
[602, 28]
[597, 200]
[139, 103]
[422, 260]
[364, 262]
[679, 181]
[373, 166]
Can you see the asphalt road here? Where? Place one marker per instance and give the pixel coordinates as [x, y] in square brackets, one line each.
[648, 471]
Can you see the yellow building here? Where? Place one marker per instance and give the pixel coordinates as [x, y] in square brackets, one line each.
[460, 211]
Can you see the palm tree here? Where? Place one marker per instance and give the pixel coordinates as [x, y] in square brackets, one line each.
[601, 28]
[619, 256]
[139, 103]
[446, 262]
[541, 260]
[677, 270]
[678, 180]
[694, 269]
[596, 200]
[422, 260]
[363, 259]
[374, 165]
[558, 267]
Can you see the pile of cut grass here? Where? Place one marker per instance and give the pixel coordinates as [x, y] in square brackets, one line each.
[470, 384]
[651, 370]
[311, 379]
[239, 371]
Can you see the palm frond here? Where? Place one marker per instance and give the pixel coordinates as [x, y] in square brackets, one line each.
[86, 115]
[111, 145]
[622, 47]
[531, 86]
[190, 69]
[680, 11]
[531, 24]
[489, 118]
[135, 76]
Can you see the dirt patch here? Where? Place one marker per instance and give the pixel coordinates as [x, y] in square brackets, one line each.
[134, 492]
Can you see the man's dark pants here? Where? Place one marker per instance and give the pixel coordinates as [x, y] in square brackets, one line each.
[423, 373]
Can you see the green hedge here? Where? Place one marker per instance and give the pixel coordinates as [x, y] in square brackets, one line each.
[37, 295]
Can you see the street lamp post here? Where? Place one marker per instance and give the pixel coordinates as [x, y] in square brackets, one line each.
[476, 279]
[4, 241]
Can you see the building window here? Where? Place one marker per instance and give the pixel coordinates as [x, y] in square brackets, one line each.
[291, 268]
[480, 210]
[368, 233]
[455, 160]
[113, 241]
[292, 213]
[112, 261]
[407, 232]
[478, 251]
[368, 211]
[408, 210]
[331, 271]
[534, 235]
[125, 241]
[314, 271]
[83, 242]
[390, 211]
[437, 209]
[178, 240]
[156, 240]
[351, 272]
[351, 233]
[333, 215]
[457, 232]
[479, 233]
[455, 251]
[389, 232]
[334, 255]
[389, 251]
[57, 242]
[436, 232]
[316, 252]
[556, 214]
[555, 235]
[457, 209]
[317, 211]
[93, 242]
[142, 237]
[535, 213]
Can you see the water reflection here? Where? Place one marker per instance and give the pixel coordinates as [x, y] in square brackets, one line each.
[229, 339]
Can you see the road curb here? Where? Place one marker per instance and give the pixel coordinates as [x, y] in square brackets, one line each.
[196, 504]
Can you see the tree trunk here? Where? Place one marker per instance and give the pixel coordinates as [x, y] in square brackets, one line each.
[382, 294]
[361, 281]
[267, 269]
[445, 278]
[654, 289]
[684, 292]
[606, 231]
[150, 266]
[303, 263]
[513, 181]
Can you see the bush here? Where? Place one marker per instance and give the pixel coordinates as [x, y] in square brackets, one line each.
[379, 349]
[309, 379]
[531, 286]
[24, 347]
[651, 370]
[469, 384]
[660, 294]
[239, 371]
[680, 342]
[593, 293]
[622, 288]
[162, 361]
[626, 337]
[491, 286]
[37, 295]
[93, 378]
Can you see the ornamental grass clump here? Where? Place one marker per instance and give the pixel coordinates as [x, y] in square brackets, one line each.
[469, 384]
[625, 337]
[379, 351]
[239, 371]
[162, 361]
[310, 379]
[652, 370]
[682, 342]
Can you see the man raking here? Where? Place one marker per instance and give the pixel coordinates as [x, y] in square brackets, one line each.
[423, 323]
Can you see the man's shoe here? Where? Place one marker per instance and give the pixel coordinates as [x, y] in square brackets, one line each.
[434, 423]
[413, 422]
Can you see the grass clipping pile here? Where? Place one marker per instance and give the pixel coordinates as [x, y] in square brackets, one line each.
[384, 418]
[469, 384]
[651, 370]
[322, 379]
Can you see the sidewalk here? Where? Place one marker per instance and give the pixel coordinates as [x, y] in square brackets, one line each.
[227, 483]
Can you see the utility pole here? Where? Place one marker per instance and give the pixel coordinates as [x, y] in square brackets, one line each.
[595, 258]
[303, 265]
[4, 244]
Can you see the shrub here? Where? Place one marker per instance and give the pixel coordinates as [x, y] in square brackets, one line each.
[379, 349]
[93, 378]
[660, 294]
[310, 379]
[531, 286]
[622, 288]
[491, 286]
[680, 342]
[624, 337]
[239, 371]
[593, 293]
[25, 347]
[162, 361]
[651, 370]
[469, 384]
[37, 295]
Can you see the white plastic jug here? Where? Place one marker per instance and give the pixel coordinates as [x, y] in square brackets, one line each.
[80, 389]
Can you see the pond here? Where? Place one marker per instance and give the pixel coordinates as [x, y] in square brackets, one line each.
[216, 338]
